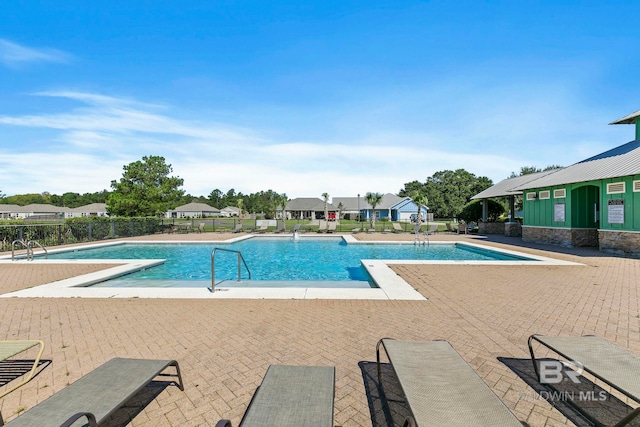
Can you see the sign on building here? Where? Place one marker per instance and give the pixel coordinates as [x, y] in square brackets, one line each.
[558, 212]
[615, 211]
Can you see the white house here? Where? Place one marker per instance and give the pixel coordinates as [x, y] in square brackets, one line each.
[193, 210]
[230, 211]
[90, 210]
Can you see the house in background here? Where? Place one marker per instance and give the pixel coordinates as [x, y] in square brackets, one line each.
[393, 207]
[230, 211]
[308, 208]
[90, 210]
[193, 210]
[33, 212]
[595, 202]
[36, 212]
[9, 211]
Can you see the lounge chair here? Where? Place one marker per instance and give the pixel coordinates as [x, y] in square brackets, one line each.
[263, 228]
[331, 228]
[98, 394]
[441, 389]
[462, 227]
[356, 230]
[237, 229]
[201, 227]
[10, 348]
[607, 362]
[433, 229]
[281, 227]
[292, 396]
[397, 228]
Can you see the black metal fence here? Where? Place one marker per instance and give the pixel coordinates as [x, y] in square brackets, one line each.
[55, 234]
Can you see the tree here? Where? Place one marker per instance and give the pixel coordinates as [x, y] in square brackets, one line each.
[325, 196]
[448, 191]
[527, 170]
[473, 210]
[281, 201]
[340, 210]
[421, 200]
[239, 204]
[145, 189]
[216, 198]
[374, 200]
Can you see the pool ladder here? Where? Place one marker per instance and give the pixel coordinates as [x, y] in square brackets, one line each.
[241, 262]
[29, 247]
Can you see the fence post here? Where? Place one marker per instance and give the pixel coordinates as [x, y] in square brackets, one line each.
[59, 234]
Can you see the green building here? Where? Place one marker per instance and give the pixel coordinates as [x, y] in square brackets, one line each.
[595, 202]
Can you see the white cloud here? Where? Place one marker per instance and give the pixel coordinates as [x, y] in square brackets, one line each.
[90, 144]
[13, 54]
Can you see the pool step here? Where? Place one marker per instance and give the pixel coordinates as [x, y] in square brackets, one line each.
[131, 283]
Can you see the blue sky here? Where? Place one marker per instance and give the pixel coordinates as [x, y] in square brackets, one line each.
[303, 98]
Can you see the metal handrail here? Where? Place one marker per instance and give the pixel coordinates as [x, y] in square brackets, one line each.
[213, 265]
[13, 246]
[29, 247]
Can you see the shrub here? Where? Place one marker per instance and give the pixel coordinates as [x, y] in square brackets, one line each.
[473, 210]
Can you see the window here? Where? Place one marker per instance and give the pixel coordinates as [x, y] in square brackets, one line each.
[532, 196]
[615, 188]
[560, 193]
[546, 194]
[636, 186]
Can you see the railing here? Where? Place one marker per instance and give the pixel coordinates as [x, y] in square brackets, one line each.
[13, 247]
[213, 265]
[29, 247]
[30, 244]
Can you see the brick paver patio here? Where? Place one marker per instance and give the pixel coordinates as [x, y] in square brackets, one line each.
[225, 346]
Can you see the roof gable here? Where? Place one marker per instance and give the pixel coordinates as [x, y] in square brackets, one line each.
[308, 204]
[196, 207]
[508, 187]
[620, 161]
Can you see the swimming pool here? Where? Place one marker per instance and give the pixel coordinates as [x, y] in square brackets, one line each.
[329, 261]
[114, 280]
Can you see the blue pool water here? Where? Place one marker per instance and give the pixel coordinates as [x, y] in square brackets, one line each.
[275, 259]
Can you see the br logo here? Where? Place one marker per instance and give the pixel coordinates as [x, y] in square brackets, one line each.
[551, 371]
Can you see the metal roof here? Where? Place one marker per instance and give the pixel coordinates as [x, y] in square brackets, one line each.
[507, 187]
[620, 161]
[627, 120]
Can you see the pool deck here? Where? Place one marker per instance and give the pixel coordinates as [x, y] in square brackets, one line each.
[224, 346]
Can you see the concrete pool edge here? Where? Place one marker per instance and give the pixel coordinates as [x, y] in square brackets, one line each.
[391, 286]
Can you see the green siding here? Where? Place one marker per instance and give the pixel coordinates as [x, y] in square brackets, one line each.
[631, 205]
[541, 212]
[579, 206]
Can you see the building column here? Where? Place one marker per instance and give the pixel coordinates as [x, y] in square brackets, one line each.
[485, 210]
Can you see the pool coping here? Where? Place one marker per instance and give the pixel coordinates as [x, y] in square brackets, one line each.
[390, 285]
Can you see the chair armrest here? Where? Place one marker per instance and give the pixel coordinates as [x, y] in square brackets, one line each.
[90, 418]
